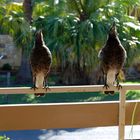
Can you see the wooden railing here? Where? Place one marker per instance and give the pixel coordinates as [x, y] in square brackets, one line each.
[69, 115]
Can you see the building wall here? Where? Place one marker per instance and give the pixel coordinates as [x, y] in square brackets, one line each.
[8, 52]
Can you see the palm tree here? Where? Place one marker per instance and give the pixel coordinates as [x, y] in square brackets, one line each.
[74, 32]
[24, 73]
[76, 36]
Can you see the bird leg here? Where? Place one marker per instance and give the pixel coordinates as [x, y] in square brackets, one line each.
[47, 88]
[107, 86]
[105, 82]
[118, 84]
[34, 87]
[34, 80]
[44, 83]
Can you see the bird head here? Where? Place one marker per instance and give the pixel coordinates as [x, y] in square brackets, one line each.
[113, 30]
[39, 37]
[39, 34]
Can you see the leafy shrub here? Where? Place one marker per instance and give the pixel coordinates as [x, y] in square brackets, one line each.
[4, 138]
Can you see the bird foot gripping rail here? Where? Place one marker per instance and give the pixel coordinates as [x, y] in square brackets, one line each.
[69, 115]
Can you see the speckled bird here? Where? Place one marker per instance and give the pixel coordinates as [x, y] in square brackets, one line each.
[40, 61]
[112, 58]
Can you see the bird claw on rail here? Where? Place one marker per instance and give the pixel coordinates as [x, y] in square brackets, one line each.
[106, 86]
[34, 88]
[108, 92]
[119, 86]
[47, 88]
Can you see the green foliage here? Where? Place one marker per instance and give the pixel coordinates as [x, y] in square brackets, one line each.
[4, 138]
[12, 22]
[74, 31]
[73, 39]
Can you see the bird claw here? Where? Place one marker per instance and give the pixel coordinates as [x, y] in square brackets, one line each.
[47, 88]
[34, 88]
[119, 86]
[106, 86]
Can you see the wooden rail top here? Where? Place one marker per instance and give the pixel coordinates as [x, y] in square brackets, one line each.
[62, 89]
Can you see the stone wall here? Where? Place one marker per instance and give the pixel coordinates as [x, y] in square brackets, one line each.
[8, 52]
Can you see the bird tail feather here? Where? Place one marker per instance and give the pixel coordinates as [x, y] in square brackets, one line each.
[39, 83]
[110, 80]
[111, 77]
[39, 80]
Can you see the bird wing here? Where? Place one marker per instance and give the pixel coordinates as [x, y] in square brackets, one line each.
[101, 54]
[125, 53]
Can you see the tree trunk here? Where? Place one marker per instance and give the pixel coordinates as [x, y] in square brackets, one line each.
[28, 8]
[24, 73]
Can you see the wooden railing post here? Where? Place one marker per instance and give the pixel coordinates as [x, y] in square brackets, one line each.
[122, 99]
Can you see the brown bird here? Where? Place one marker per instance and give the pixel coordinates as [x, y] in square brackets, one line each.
[40, 60]
[112, 57]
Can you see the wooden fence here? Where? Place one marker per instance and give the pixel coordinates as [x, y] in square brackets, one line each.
[70, 115]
